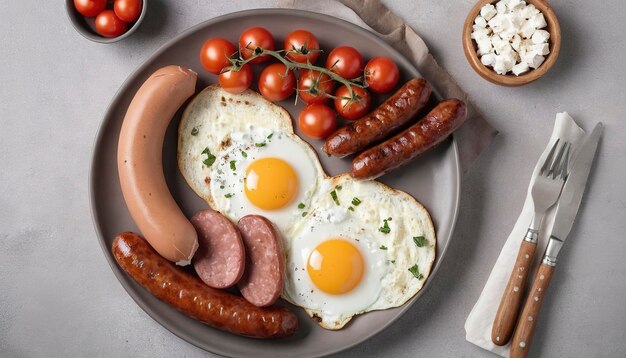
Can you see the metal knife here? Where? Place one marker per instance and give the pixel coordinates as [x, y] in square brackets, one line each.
[568, 206]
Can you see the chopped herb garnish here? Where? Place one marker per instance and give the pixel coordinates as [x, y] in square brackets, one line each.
[270, 136]
[388, 219]
[259, 145]
[383, 247]
[305, 213]
[229, 195]
[356, 201]
[232, 165]
[301, 206]
[338, 187]
[350, 208]
[333, 194]
[393, 261]
[221, 187]
[420, 241]
[194, 131]
[210, 157]
[416, 272]
[385, 229]
[244, 154]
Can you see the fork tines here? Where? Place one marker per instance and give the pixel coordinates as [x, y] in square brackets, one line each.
[557, 165]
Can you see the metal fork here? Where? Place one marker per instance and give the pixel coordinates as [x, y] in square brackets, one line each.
[544, 192]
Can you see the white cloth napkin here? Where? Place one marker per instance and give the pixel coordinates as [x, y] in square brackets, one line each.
[480, 320]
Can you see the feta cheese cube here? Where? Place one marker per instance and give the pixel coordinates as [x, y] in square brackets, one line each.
[479, 32]
[520, 68]
[504, 48]
[538, 21]
[533, 59]
[480, 21]
[488, 59]
[501, 6]
[540, 36]
[516, 42]
[516, 19]
[488, 12]
[529, 11]
[542, 49]
[527, 30]
[515, 4]
[484, 46]
[504, 63]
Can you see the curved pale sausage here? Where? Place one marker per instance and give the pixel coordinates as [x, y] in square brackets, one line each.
[189, 295]
[140, 165]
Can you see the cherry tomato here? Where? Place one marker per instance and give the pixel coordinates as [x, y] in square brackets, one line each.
[313, 85]
[381, 74]
[237, 81]
[345, 61]
[214, 54]
[255, 37]
[303, 42]
[276, 83]
[127, 10]
[352, 108]
[90, 8]
[317, 121]
[109, 25]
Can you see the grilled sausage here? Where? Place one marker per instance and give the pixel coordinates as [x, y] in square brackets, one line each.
[140, 163]
[220, 259]
[263, 280]
[436, 126]
[189, 295]
[396, 111]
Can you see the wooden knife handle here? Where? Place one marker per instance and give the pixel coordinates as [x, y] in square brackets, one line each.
[528, 318]
[511, 301]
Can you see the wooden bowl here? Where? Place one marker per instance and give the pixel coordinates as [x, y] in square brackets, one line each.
[470, 48]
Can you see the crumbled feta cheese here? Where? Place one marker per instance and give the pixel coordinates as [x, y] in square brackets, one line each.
[488, 11]
[527, 30]
[529, 11]
[538, 21]
[484, 46]
[540, 36]
[515, 4]
[501, 6]
[480, 21]
[520, 68]
[542, 49]
[516, 42]
[488, 59]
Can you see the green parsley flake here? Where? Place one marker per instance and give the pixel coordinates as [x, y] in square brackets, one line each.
[338, 187]
[210, 157]
[305, 213]
[333, 194]
[244, 154]
[270, 136]
[229, 195]
[393, 261]
[259, 145]
[232, 165]
[221, 187]
[383, 247]
[194, 131]
[416, 272]
[420, 241]
[356, 201]
[385, 229]
[301, 206]
[350, 208]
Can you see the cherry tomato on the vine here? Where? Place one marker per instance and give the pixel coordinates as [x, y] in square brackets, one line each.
[314, 86]
[237, 81]
[276, 83]
[109, 25]
[215, 53]
[381, 74]
[303, 46]
[317, 121]
[255, 37]
[127, 10]
[345, 61]
[90, 8]
[351, 108]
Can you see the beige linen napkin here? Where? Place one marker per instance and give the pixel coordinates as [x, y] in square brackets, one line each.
[476, 134]
[480, 320]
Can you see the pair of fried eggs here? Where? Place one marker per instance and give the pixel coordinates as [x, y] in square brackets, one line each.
[350, 246]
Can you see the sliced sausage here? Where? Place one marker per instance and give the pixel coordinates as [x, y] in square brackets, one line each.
[140, 163]
[436, 126]
[396, 111]
[220, 258]
[263, 280]
[189, 295]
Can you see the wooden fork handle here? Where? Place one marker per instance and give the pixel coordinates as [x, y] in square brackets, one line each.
[528, 318]
[511, 301]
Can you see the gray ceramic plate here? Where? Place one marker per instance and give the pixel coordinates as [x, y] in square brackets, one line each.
[433, 179]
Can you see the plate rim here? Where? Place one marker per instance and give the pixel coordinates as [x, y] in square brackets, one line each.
[122, 277]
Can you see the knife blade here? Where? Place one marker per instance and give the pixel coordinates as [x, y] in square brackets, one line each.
[572, 194]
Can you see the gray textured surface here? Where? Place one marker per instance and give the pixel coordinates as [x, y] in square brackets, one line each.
[58, 296]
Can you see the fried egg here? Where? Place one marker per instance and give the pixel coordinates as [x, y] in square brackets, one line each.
[362, 247]
[350, 246]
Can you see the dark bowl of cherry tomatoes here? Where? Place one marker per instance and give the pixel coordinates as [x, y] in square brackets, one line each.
[106, 21]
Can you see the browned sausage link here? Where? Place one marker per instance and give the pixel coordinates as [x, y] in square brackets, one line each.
[397, 110]
[438, 124]
[189, 295]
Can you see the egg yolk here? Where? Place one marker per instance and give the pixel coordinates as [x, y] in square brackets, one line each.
[335, 266]
[270, 183]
